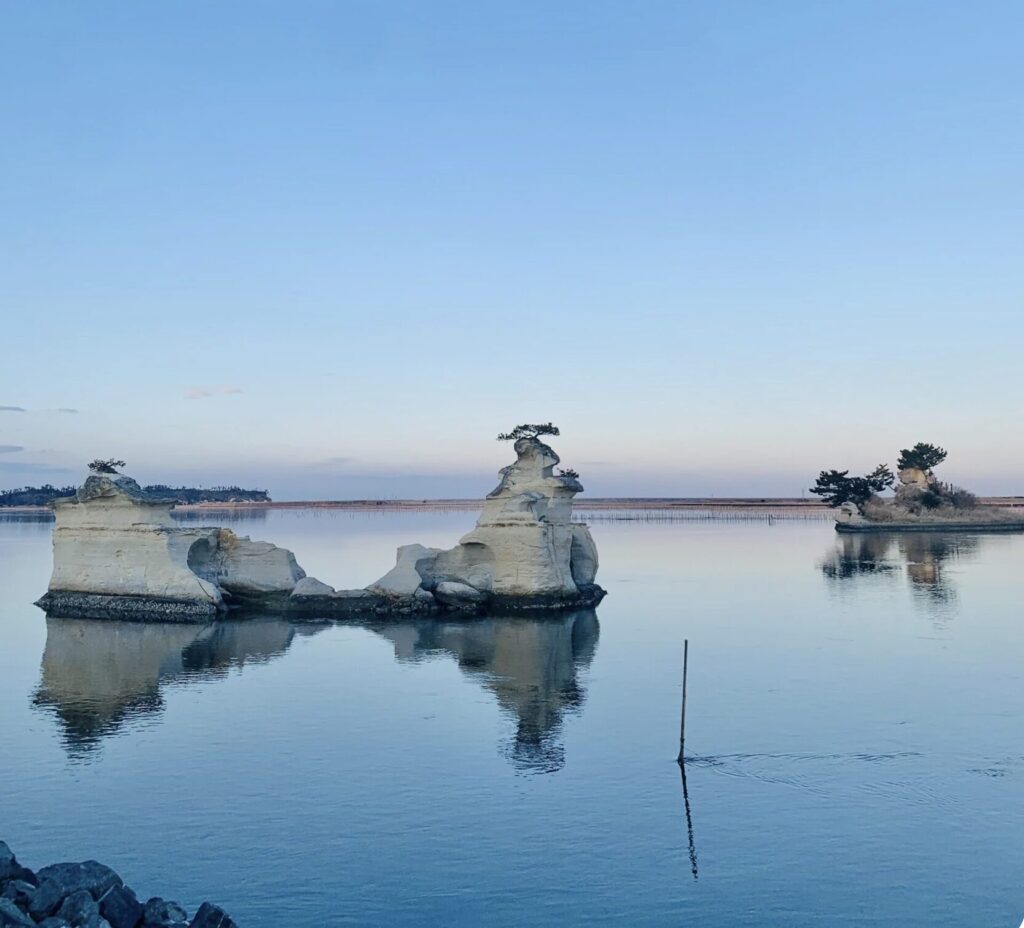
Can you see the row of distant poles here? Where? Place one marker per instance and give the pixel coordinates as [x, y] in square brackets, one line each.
[681, 760]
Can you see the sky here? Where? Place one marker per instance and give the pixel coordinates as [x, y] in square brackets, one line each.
[332, 249]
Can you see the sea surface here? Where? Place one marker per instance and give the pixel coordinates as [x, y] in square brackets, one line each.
[854, 737]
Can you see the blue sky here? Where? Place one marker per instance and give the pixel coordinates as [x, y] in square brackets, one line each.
[332, 249]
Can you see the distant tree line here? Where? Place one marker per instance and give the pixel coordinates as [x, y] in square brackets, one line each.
[210, 495]
[34, 496]
[40, 496]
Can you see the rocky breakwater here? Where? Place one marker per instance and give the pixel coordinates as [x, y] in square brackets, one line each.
[118, 553]
[87, 895]
[525, 553]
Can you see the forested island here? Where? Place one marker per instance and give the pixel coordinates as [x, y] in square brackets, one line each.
[44, 495]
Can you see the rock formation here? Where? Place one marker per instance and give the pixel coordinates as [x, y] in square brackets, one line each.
[87, 894]
[525, 552]
[117, 553]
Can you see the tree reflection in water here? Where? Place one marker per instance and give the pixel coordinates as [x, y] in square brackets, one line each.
[924, 556]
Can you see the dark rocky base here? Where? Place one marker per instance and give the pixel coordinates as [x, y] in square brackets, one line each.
[70, 605]
[87, 895]
[977, 527]
[360, 605]
[375, 606]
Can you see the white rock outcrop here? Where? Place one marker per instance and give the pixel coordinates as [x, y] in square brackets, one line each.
[117, 552]
[525, 550]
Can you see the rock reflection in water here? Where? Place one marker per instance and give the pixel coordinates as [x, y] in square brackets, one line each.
[530, 665]
[925, 556]
[98, 676]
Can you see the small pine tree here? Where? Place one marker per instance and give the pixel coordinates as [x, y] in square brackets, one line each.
[923, 456]
[529, 431]
[836, 487]
[105, 466]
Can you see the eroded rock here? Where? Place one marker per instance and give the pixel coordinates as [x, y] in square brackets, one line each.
[525, 551]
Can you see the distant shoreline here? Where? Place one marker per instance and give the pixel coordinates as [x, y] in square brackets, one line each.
[759, 503]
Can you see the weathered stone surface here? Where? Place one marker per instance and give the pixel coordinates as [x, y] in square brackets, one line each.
[310, 586]
[524, 549]
[80, 909]
[583, 560]
[249, 568]
[46, 899]
[849, 513]
[113, 539]
[90, 875]
[159, 913]
[19, 892]
[11, 916]
[9, 866]
[210, 916]
[459, 595]
[121, 908]
[54, 922]
[404, 579]
[117, 553]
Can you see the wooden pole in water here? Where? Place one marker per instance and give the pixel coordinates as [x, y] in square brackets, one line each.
[682, 716]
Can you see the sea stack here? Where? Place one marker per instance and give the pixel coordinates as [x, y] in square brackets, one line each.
[525, 552]
[118, 553]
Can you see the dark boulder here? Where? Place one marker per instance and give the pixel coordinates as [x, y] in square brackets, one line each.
[54, 922]
[11, 916]
[121, 908]
[19, 892]
[46, 899]
[80, 909]
[158, 913]
[9, 866]
[211, 916]
[93, 877]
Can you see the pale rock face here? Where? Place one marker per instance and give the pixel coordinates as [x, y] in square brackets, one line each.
[525, 544]
[114, 540]
[583, 556]
[404, 579]
[453, 593]
[915, 477]
[254, 568]
[848, 512]
[310, 586]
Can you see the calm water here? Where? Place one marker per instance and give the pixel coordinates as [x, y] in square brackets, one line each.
[854, 729]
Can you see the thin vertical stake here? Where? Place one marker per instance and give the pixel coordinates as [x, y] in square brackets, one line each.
[682, 716]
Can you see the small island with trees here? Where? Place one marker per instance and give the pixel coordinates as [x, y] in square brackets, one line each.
[920, 501]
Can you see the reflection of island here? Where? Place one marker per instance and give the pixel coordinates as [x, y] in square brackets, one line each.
[98, 676]
[529, 664]
[924, 555]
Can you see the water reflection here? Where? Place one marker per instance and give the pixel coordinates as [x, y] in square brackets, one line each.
[98, 677]
[529, 664]
[924, 556]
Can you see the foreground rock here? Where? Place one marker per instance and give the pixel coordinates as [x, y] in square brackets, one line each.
[87, 895]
